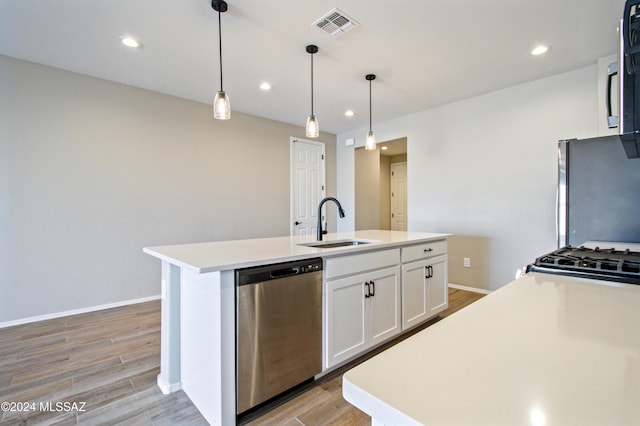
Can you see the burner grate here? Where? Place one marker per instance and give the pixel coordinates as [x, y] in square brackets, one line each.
[631, 267]
[606, 264]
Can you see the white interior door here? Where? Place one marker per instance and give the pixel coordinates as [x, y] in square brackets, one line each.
[307, 185]
[399, 196]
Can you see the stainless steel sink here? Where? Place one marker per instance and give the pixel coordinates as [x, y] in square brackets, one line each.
[336, 243]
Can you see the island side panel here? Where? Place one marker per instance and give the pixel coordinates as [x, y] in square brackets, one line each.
[381, 413]
[169, 377]
[208, 344]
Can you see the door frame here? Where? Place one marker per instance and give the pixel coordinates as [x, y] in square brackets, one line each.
[292, 163]
[406, 192]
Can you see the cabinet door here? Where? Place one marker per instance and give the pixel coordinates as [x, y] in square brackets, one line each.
[385, 317]
[437, 286]
[345, 320]
[414, 293]
[424, 290]
[362, 311]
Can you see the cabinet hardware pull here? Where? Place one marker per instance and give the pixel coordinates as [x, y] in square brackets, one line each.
[428, 250]
[428, 270]
[373, 288]
[368, 294]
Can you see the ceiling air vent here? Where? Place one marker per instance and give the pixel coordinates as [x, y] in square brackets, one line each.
[336, 23]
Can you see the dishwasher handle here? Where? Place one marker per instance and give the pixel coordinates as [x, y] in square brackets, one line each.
[285, 272]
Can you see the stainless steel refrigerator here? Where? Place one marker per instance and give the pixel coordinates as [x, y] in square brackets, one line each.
[599, 178]
[598, 192]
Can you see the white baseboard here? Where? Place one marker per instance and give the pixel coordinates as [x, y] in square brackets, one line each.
[467, 288]
[167, 388]
[76, 311]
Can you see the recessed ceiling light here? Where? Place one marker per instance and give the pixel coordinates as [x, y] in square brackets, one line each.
[539, 50]
[384, 148]
[349, 113]
[265, 86]
[130, 42]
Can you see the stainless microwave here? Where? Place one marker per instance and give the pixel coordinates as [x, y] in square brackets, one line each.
[628, 71]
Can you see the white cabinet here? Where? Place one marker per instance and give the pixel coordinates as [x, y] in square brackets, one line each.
[373, 296]
[383, 290]
[424, 282]
[437, 286]
[362, 308]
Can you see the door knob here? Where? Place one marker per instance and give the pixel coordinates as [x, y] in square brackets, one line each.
[297, 223]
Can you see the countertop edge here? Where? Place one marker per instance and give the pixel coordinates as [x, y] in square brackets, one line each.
[201, 266]
[374, 407]
[173, 261]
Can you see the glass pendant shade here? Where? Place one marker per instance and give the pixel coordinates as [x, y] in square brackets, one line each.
[313, 129]
[370, 142]
[221, 106]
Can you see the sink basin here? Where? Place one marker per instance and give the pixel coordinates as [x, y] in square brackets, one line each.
[336, 243]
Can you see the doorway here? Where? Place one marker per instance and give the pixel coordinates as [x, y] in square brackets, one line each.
[307, 162]
[398, 196]
[377, 205]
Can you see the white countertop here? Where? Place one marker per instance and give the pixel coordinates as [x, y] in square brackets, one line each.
[226, 255]
[543, 350]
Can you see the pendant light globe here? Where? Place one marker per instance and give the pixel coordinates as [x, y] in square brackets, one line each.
[370, 142]
[312, 127]
[221, 106]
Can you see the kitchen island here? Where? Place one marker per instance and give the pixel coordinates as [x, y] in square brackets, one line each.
[198, 301]
[542, 350]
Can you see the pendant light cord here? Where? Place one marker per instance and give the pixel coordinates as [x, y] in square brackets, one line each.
[312, 84]
[370, 105]
[220, 48]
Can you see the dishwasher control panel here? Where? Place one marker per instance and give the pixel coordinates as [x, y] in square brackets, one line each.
[277, 270]
[311, 268]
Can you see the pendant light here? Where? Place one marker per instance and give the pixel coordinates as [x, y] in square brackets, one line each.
[312, 128]
[221, 104]
[370, 142]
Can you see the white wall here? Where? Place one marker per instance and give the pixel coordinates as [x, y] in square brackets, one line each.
[93, 171]
[484, 169]
[367, 189]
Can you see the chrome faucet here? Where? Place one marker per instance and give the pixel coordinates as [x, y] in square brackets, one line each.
[340, 212]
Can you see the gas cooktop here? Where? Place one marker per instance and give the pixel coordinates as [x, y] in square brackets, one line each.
[596, 263]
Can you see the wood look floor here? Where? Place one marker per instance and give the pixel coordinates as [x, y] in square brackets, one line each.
[101, 368]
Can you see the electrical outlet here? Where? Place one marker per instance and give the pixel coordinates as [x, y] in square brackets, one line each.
[467, 262]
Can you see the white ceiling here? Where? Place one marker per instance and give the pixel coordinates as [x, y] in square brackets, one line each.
[424, 52]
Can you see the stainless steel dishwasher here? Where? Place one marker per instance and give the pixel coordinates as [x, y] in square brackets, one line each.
[278, 329]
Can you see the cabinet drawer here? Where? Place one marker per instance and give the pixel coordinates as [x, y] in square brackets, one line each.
[424, 250]
[355, 263]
